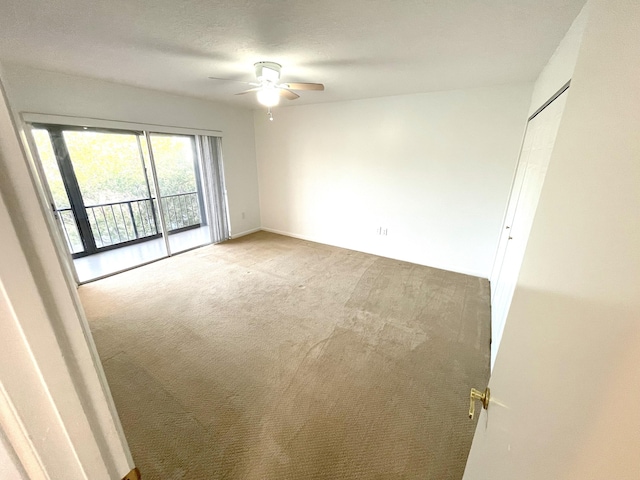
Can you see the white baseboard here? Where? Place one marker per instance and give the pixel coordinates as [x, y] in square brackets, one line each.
[246, 232]
[300, 237]
[454, 269]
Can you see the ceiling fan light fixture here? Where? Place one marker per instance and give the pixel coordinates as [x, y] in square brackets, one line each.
[268, 96]
[268, 87]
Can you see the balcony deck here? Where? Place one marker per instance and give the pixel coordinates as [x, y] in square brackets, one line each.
[118, 260]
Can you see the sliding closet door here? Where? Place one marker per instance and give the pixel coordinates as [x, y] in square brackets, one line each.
[532, 169]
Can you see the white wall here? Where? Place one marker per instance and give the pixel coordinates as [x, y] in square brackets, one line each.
[10, 466]
[567, 377]
[31, 90]
[560, 67]
[434, 169]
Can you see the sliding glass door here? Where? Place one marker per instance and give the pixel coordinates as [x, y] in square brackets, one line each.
[60, 202]
[181, 189]
[113, 188]
[104, 188]
[103, 198]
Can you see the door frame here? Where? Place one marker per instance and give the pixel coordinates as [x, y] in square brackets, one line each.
[49, 269]
[67, 427]
[562, 89]
[508, 220]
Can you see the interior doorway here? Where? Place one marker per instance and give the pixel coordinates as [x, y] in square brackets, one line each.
[124, 198]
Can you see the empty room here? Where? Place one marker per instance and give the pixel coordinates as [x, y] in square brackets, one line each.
[331, 240]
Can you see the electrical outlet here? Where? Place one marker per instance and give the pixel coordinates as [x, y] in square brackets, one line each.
[384, 232]
[243, 215]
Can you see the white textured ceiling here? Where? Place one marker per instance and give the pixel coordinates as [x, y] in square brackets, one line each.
[357, 48]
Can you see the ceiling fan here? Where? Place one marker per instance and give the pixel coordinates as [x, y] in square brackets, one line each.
[268, 87]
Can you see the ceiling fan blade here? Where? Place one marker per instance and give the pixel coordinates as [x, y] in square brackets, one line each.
[253, 84]
[249, 91]
[304, 86]
[288, 94]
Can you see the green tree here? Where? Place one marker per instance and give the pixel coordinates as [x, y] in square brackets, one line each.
[109, 168]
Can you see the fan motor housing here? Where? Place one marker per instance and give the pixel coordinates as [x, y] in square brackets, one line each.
[269, 71]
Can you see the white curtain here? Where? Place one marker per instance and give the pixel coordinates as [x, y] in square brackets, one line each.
[215, 191]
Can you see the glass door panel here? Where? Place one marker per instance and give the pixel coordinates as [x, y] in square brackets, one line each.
[181, 190]
[112, 179]
[115, 190]
[56, 186]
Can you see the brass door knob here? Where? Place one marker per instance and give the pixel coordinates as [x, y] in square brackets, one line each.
[478, 395]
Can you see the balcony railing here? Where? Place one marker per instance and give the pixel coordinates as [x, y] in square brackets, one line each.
[181, 211]
[124, 222]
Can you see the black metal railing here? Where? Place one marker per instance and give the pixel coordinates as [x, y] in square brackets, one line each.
[181, 211]
[131, 220]
[120, 222]
[70, 230]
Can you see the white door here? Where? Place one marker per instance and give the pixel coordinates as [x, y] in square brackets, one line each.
[565, 388]
[532, 168]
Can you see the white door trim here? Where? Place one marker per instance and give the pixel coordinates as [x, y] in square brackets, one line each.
[49, 367]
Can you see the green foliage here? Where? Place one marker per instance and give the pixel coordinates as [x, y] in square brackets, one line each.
[174, 158]
[109, 168]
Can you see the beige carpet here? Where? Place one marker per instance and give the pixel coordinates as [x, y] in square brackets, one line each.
[269, 357]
